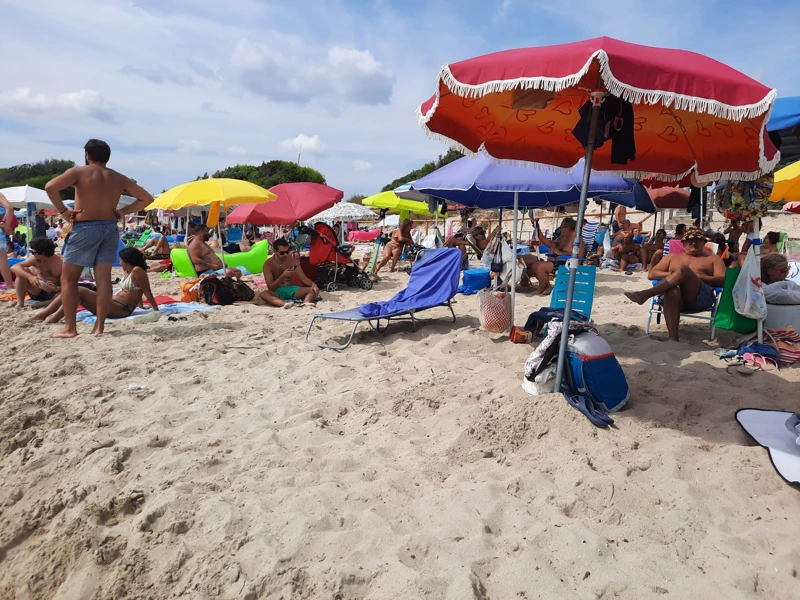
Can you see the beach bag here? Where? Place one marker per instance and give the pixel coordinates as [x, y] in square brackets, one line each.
[748, 295]
[494, 310]
[224, 291]
[190, 291]
[594, 371]
[497, 258]
[726, 316]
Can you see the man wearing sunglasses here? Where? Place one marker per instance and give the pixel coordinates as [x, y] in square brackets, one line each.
[204, 259]
[39, 275]
[279, 270]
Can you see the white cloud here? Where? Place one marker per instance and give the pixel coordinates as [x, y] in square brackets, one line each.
[308, 144]
[502, 11]
[189, 146]
[349, 74]
[157, 74]
[85, 103]
[236, 150]
[362, 165]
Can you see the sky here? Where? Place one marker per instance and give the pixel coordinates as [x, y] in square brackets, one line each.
[179, 88]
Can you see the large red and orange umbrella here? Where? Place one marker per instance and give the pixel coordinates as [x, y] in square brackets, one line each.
[690, 112]
[684, 113]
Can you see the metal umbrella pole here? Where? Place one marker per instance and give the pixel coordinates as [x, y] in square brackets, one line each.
[597, 99]
[514, 257]
[756, 243]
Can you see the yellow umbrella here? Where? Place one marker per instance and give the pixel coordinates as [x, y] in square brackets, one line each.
[393, 202]
[226, 193]
[787, 184]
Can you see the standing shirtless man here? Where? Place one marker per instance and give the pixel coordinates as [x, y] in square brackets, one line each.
[687, 281]
[94, 238]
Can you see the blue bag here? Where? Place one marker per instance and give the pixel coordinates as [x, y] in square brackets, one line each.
[594, 372]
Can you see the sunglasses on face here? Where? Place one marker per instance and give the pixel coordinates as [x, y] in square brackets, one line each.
[285, 252]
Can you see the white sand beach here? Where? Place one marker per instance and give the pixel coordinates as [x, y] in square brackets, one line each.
[222, 457]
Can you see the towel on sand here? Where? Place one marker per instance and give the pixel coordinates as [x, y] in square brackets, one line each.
[168, 309]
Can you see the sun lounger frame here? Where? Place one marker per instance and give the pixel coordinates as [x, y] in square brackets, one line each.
[374, 323]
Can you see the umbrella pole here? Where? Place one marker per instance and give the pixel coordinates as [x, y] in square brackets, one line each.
[597, 98]
[757, 252]
[514, 255]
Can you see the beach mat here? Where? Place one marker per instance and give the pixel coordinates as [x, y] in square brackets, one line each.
[768, 429]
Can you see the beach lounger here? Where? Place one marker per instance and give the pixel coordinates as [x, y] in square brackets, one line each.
[433, 283]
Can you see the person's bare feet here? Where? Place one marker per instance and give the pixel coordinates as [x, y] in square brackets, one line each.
[97, 329]
[638, 297]
[52, 320]
[37, 317]
[64, 334]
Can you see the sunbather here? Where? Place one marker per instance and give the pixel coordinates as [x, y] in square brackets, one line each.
[159, 244]
[655, 244]
[279, 271]
[400, 237]
[542, 269]
[778, 289]
[205, 260]
[134, 287]
[627, 252]
[39, 275]
[687, 281]
[680, 230]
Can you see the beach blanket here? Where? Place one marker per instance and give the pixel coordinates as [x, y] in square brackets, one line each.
[168, 309]
[162, 301]
[778, 433]
[434, 281]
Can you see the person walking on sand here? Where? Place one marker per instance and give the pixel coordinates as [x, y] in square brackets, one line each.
[94, 238]
[6, 233]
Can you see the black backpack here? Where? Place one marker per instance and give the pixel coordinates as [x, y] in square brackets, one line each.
[224, 291]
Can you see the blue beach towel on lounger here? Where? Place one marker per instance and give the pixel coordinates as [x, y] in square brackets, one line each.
[433, 281]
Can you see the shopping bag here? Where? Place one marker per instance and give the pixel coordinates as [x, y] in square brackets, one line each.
[726, 316]
[748, 295]
[494, 310]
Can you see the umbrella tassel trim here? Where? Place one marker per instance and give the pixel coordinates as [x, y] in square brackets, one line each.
[613, 86]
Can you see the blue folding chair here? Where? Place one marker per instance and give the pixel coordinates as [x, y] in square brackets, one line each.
[433, 282]
[583, 294]
[657, 309]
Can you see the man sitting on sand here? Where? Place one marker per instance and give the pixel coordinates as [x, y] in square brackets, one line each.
[205, 260]
[39, 275]
[687, 281]
[279, 270]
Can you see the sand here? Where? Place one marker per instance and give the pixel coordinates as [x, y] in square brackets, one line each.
[222, 457]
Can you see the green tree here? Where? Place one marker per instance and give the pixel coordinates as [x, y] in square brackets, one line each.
[426, 169]
[37, 175]
[270, 173]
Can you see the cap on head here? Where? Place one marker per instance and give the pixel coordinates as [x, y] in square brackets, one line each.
[694, 233]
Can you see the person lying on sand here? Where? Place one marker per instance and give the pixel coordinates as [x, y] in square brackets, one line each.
[135, 286]
[279, 270]
[39, 275]
[687, 281]
[205, 260]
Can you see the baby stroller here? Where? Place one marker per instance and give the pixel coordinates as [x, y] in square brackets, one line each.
[333, 262]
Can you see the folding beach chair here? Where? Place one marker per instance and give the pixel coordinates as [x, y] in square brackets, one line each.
[657, 309]
[138, 243]
[583, 295]
[433, 283]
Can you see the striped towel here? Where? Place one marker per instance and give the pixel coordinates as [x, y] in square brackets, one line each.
[589, 232]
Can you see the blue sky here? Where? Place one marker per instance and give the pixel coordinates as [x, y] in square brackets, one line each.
[183, 87]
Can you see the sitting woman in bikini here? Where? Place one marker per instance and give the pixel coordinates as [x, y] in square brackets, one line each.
[400, 237]
[135, 287]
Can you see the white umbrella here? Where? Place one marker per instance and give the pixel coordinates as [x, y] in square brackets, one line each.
[345, 211]
[22, 195]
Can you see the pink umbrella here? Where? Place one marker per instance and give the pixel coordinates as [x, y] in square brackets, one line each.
[296, 202]
[792, 207]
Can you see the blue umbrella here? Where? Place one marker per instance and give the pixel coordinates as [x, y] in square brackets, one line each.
[481, 183]
[478, 182]
[785, 114]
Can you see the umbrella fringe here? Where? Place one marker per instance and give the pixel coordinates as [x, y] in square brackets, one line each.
[613, 85]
